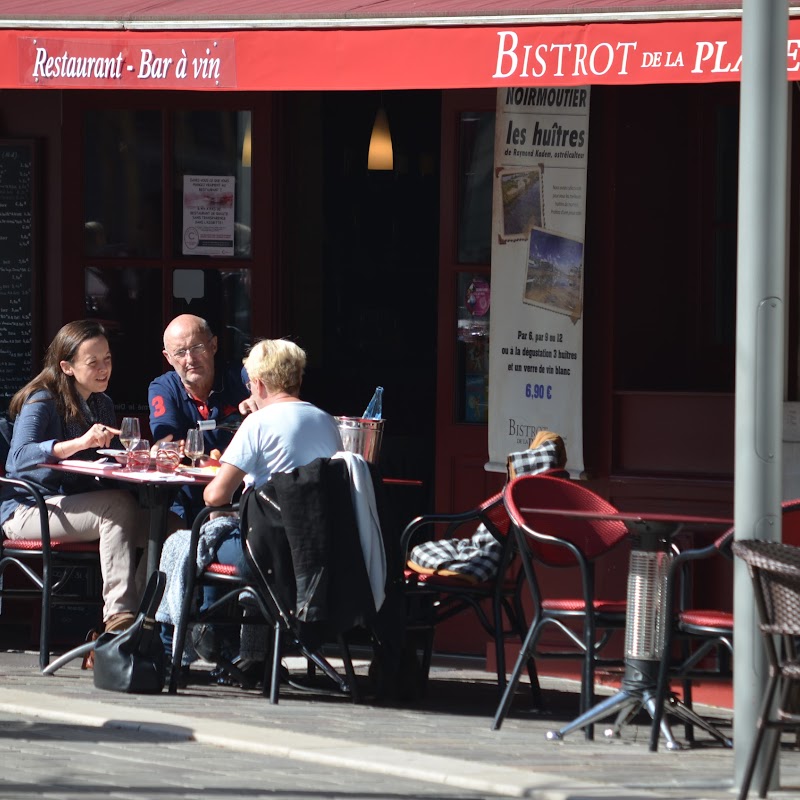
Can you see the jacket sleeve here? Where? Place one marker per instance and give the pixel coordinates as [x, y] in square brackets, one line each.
[35, 434]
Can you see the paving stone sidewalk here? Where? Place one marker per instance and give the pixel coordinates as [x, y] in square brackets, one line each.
[444, 740]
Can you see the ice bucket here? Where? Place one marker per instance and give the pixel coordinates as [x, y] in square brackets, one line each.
[362, 436]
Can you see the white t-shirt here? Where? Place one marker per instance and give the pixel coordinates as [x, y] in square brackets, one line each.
[279, 438]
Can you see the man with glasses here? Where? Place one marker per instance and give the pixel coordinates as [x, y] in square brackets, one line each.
[194, 391]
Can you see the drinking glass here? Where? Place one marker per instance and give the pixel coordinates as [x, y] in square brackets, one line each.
[129, 435]
[139, 456]
[194, 446]
[168, 456]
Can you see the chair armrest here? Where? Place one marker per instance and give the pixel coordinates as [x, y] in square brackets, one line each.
[452, 522]
[38, 498]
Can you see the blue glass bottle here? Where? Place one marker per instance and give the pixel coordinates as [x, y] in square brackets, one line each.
[375, 407]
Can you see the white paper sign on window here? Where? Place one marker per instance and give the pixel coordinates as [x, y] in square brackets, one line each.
[208, 215]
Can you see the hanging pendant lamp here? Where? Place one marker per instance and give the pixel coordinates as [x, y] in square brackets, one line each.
[380, 143]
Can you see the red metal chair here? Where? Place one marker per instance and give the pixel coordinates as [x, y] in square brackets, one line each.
[559, 541]
[703, 631]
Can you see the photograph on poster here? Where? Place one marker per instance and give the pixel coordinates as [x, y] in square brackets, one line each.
[521, 190]
[554, 277]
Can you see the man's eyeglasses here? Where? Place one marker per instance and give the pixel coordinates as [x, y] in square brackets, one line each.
[195, 350]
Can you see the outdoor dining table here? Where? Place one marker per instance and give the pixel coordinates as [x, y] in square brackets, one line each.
[646, 619]
[155, 491]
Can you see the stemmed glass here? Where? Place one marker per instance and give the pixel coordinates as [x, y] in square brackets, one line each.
[194, 445]
[129, 435]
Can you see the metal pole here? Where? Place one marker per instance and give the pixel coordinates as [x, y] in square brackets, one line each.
[760, 346]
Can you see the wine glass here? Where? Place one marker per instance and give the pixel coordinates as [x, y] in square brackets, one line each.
[129, 435]
[194, 445]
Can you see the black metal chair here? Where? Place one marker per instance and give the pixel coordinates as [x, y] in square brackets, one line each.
[702, 632]
[270, 583]
[775, 572]
[431, 599]
[52, 566]
[239, 591]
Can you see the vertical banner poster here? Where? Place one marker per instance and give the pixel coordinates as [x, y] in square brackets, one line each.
[208, 215]
[538, 226]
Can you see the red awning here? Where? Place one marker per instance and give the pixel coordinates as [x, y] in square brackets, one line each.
[216, 45]
[199, 14]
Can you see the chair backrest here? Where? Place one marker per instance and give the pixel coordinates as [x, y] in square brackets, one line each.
[6, 431]
[493, 514]
[775, 570]
[301, 538]
[592, 537]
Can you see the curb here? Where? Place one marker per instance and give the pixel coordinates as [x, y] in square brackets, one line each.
[267, 741]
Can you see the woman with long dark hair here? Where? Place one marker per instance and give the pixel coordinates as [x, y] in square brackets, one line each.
[64, 413]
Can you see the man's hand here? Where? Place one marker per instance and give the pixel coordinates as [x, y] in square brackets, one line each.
[247, 406]
[154, 448]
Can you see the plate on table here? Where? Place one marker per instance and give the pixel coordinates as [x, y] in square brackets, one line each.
[208, 472]
[120, 455]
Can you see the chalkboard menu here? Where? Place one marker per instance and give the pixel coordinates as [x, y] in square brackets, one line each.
[17, 264]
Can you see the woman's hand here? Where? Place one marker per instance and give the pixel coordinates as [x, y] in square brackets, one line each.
[98, 436]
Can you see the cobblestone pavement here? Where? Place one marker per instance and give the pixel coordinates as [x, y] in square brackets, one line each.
[312, 746]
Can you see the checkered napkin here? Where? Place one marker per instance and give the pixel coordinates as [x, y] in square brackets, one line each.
[528, 462]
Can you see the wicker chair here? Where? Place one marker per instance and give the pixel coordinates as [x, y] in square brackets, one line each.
[775, 571]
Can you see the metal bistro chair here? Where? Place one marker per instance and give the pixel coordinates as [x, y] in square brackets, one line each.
[561, 542]
[775, 572]
[703, 631]
[276, 520]
[432, 599]
[50, 565]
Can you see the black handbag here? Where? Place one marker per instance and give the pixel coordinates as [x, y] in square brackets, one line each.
[133, 660]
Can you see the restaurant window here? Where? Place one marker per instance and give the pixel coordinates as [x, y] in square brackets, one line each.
[475, 163]
[122, 188]
[147, 258]
[473, 302]
[212, 154]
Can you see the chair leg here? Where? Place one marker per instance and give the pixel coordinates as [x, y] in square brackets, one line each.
[508, 694]
[536, 689]
[761, 728]
[348, 669]
[587, 687]
[275, 680]
[499, 646]
[44, 630]
[662, 689]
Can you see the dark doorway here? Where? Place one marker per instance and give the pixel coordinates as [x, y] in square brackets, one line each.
[370, 317]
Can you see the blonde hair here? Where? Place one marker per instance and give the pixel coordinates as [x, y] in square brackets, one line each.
[278, 364]
[549, 436]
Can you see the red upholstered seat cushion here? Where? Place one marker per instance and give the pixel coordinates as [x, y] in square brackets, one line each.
[576, 604]
[222, 569]
[35, 545]
[707, 618]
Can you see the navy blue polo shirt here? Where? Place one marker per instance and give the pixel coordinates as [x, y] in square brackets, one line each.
[173, 411]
